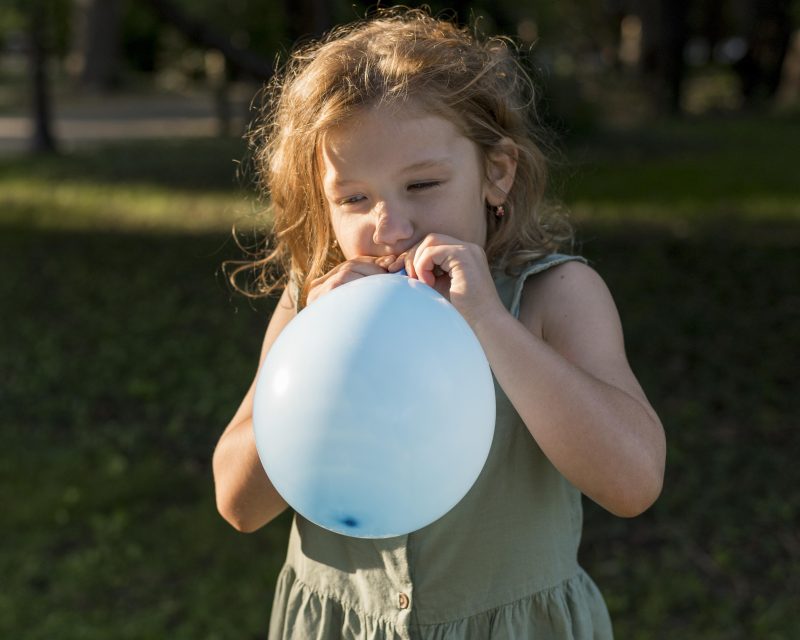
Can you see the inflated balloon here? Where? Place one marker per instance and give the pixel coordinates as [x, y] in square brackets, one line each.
[374, 409]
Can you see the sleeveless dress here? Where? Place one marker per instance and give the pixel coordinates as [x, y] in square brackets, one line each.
[501, 564]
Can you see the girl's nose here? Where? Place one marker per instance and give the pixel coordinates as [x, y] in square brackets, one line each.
[391, 227]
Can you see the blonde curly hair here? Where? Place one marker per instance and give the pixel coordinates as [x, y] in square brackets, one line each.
[396, 56]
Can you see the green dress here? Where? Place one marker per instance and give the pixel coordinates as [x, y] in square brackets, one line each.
[501, 564]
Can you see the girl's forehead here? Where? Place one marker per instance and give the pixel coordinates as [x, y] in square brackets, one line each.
[391, 133]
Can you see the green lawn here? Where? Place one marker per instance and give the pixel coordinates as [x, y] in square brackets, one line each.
[125, 353]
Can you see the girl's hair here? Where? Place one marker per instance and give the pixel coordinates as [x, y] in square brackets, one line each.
[397, 56]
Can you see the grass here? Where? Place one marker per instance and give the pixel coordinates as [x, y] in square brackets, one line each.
[716, 176]
[171, 186]
[125, 354]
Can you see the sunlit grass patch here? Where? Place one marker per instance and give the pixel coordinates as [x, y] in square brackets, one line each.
[772, 219]
[37, 203]
[158, 186]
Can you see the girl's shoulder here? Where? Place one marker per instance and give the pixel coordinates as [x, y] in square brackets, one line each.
[557, 276]
[571, 309]
[568, 292]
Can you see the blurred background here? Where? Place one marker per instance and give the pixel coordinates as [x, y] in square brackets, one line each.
[125, 351]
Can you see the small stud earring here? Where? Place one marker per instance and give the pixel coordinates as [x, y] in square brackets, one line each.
[499, 211]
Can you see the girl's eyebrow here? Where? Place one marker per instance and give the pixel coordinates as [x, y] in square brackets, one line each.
[427, 164]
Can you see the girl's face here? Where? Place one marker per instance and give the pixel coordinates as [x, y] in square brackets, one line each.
[391, 178]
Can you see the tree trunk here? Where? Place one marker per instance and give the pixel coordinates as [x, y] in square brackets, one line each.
[664, 35]
[43, 140]
[217, 75]
[714, 23]
[760, 68]
[96, 44]
[674, 14]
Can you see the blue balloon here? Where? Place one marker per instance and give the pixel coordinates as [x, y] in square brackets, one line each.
[374, 409]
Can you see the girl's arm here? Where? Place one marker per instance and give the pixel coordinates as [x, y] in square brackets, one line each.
[563, 366]
[245, 496]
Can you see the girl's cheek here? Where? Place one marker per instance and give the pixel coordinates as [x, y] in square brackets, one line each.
[365, 235]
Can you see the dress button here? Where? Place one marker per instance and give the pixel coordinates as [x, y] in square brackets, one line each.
[403, 601]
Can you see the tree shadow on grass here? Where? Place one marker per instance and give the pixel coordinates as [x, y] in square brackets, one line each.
[208, 164]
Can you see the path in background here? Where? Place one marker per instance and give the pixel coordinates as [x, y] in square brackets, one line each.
[91, 119]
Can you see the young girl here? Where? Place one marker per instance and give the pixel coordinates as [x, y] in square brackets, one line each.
[403, 141]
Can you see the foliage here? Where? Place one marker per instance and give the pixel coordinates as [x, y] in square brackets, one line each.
[141, 37]
[257, 25]
[125, 354]
[15, 15]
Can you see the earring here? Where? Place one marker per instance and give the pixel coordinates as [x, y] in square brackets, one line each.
[499, 211]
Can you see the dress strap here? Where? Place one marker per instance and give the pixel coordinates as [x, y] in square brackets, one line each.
[552, 260]
[294, 290]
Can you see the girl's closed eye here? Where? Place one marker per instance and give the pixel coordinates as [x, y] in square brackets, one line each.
[418, 186]
[349, 200]
[414, 186]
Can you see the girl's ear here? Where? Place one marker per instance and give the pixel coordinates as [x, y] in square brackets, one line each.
[501, 167]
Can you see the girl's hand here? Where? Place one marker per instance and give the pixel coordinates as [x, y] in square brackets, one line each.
[348, 271]
[457, 270]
